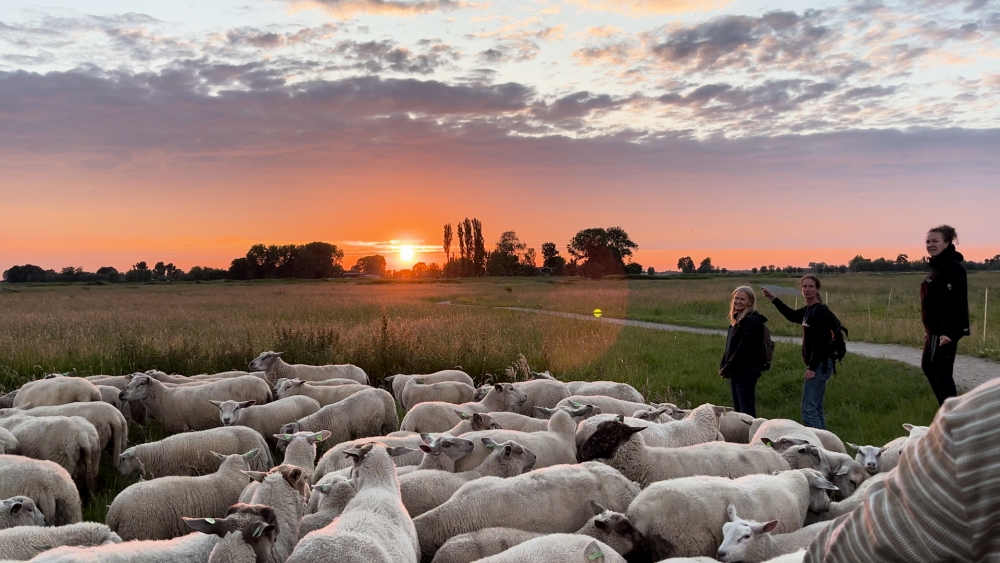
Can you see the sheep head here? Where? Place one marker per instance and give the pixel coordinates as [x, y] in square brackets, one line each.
[605, 440]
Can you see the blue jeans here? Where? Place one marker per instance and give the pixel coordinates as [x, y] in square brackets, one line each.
[812, 396]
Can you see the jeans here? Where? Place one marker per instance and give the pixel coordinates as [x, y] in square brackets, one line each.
[938, 363]
[812, 396]
[744, 391]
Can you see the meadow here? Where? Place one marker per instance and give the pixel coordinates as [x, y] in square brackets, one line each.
[389, 328]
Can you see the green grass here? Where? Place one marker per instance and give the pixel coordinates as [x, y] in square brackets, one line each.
[398, 328]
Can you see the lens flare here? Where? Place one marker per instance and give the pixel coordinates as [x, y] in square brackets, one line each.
[406, 253]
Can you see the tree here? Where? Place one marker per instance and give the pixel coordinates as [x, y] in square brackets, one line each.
[160, 269]
[447, 242]
[633, 268]
[754, 270]
[706, 266]
[902, 260]
[419, 270]
[374, 265]
[686, 265]
[603, 250]
[478, 248]
[461, 239]
[241, 269]
[651, 271]
[24, 274]
[552, 260]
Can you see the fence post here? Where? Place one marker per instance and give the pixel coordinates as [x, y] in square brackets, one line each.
[986, 304]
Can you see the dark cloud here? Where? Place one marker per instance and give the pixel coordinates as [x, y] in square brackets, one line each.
[350, 7]
[758, 101]
[512, 50]
[386, 55]
[869, 92]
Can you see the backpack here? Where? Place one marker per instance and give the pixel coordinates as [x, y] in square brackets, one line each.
[838, 337]
[768, 351]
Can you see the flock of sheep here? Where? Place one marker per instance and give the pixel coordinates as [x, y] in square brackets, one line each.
[540, 470]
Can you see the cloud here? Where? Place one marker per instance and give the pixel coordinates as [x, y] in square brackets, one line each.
[756, 102]
[386, 55]
[350, 8]
[638, 8]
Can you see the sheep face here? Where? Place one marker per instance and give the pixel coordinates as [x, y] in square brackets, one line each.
[230, 412]
[605, 440]
[257, 523]
[739, 534]
[819, 499]
[616, 524]
[288, 388]
[138, 388]
[783, 443]
[480, 393]
[514, 396]
[869, 456]
[454, 448]
[264, 361]
[847, 478]
[128, 462]
[22, 510]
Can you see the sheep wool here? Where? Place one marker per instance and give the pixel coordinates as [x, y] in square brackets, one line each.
[371, 412]
[8, 443]
[190, 453]
[25, 542]
[47, 484]
[328, 500]
[473, 546]
[324, 395]
[110, 423]
[246, 534]
[70, 441]
[398, 382]
[334, 459]
[418, 390]
[56, 391]
[275, 368]
[558, 548]
[20, 511]
[439, 417]
[555, 446]
[265, 419]
[281, 490]
[184, 408]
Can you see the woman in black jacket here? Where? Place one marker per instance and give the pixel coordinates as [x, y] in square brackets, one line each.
[944, 309]
[744, 350]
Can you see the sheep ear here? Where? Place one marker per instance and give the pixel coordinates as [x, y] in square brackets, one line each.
[507, 448]
[251, 454]
[598, 509]
[321, 435]
[766, 527]
[216, 403]
[498, 387]
[127, 454]
[255, 475]
[220, 456]
[545, 411]
[489, 443]
[285, 437]
[463, 415]
[844, 470]
[593, 553]
[297, 382]
[246, 404]
[602, 526]
[321, 488]
[823, 484]
[634, 429]
[424, 448]
[731, 512]
[205, 525]
[279, 354]
[619, 418]
[293, 476]
[15, 507]
[853, 446]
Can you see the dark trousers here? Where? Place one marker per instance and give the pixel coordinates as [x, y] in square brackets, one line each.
[938, 363]
[744, 387]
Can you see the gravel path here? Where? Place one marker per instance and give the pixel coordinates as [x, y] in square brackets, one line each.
[969, 371]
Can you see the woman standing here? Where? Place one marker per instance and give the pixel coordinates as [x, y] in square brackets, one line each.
[744, 350]
[944, 309]
[817, 328]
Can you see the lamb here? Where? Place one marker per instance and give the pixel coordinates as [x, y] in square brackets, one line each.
[275, 368]
[778, 427]
[684, 517]
[440, 453]
[544, 393]
[25, 542]
[8, 443]
[558, 548]
[608, 405]
[841, 469]
[490, 502]
[281, 489]
[334, 459]
[324, 395]
[189, 454]
[247, 534]
[187, 408]
[752, 542]
[399, 381]
[472, 422]
[424, 490]
[69, 441]
[371, 412]
[20, 511]
[47, 484]
[554, 446]
[439, 417]
[57, 391]
[625, 450]
[154, 510]
[110, 423]
[330, 496]
[265, 419]
[374, 526]
[613, 389]
[418, 390]
[300, 452]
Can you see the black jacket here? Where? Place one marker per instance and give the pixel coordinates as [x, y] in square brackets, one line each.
[817, 330]
[744, 346]
[944, 296]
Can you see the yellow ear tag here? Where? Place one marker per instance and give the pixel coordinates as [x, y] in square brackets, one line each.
[210, 520]
[490, 446]
[287, 437]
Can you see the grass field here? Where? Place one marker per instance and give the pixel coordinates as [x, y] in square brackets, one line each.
[399, 328]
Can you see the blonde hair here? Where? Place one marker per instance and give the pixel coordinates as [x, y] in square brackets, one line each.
[751, 307]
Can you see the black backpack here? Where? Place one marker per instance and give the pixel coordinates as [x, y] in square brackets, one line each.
[768, 352]
[838, 337]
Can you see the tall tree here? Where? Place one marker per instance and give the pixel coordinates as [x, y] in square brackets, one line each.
[374, 265]
[478, 248]
[461, 239]
[603, 250]
[706, 266]
[447, 242]
[686, 265]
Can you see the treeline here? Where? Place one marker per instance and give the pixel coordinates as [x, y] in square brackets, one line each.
[859, 263]
[140, 272]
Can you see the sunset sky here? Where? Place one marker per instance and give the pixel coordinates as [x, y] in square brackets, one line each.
[752, 131]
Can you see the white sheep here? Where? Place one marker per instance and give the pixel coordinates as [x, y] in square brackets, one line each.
[154, 509]
[190, 453]
[558, 548]
[684, 517]
[110, 423]
[440, 453]
[221, 375]
[777, 427]
[623, 448]
[44, 482]
[275, 368]
[300, 451]
[699, 426]
[840, 469]
[555, 446]
[735, 427]
[57, 391]
[492, 502]
[439, 417]
[752, 542]
[398, 382]
[265, 419]
[334, 459]
[323, 394]
[608, 405]
[187, 408]
[8, 443]
[840, 508]
[424, 490]
[282, 489]
[26, 542]
[328, 499]
[418, 390]
[472, 422]
[545, 393]
[70, 441]
[614, 389]
[371, 412]
[20, 511]
[374, 526]
[880, 459]
[7, 401]
[246, 535]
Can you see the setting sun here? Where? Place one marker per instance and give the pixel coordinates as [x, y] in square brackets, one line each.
[406, 253]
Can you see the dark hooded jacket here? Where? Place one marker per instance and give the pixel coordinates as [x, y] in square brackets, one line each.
[744, 346]
[944, 296]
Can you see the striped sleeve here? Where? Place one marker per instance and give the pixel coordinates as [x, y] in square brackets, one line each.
[942, 502]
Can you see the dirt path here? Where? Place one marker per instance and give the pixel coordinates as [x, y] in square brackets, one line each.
[969, 371]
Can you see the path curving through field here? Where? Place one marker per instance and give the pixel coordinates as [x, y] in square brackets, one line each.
[970, 372]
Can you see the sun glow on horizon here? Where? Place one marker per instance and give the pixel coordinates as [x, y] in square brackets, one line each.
[406, 253]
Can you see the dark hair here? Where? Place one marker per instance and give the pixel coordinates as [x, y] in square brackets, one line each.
[819, 296]
[948, 232]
